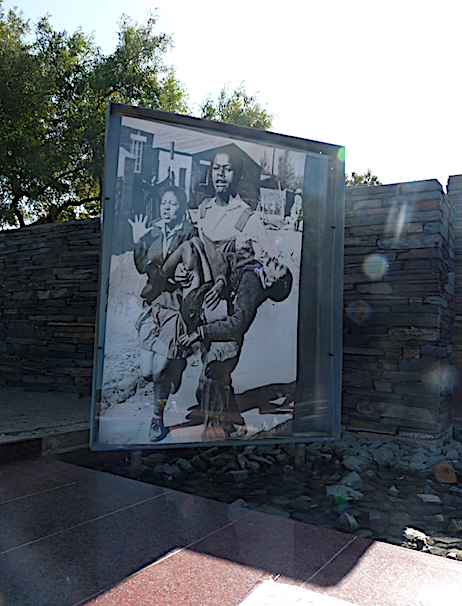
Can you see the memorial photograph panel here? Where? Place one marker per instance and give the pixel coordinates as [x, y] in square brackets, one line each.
[200, 290]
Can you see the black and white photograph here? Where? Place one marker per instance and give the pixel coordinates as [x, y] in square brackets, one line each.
[200, 330]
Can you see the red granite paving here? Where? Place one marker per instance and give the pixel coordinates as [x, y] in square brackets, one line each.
[377, 574]
[72, 536]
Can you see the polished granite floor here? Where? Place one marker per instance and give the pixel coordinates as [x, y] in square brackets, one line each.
[70, 535]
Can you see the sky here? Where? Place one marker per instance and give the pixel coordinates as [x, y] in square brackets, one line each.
[380, 78]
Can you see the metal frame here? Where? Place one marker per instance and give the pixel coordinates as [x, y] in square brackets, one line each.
[319, 372]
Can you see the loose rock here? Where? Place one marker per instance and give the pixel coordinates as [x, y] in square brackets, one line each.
[198, 463]
[400, 518]
[389, 485]
[383, 456]
[455, 527]
[455, 554]
[429, 498]
[253, 465]
[346, 493]
[415, 535]
[353, 480]
[280, 500]
[346, 522]
[239, 503]
[242, 461]
[452, 455]
[173, 470]
[444, 473]
[239, 476]
[355, 463]
[184, 465]
[302, 503]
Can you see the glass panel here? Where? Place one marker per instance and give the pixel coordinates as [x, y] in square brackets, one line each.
[220, 304]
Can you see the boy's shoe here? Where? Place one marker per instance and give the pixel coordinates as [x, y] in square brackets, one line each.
[236, 431]
[157, 431]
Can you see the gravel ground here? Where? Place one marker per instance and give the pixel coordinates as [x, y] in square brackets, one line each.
[380, 488]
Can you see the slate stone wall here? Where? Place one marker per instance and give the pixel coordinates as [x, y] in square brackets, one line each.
[399, 309]
[49, 278]
[455, 196]
[402, 294]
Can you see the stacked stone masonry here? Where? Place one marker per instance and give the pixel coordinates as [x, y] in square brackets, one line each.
[399, 309]
[401, 287]
[455, 196]
[49, 276]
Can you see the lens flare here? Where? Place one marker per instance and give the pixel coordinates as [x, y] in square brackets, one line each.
[444, 377]
[341, 154]
[403, 218]
[279, 240]
[189, 508]
[359, 311]
[376, 266]
[399, 216]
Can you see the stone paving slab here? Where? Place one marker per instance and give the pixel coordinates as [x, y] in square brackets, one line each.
[75, 536]
[270, 593]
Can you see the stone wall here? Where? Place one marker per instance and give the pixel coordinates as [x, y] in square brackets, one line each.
[399, 309]
[455, 196]
[398, 321]
[49, 277]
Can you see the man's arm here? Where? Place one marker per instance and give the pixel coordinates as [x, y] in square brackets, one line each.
[250, 296]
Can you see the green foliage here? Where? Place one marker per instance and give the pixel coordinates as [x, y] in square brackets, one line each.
[54, 90]
[237, 107]
[365, 179]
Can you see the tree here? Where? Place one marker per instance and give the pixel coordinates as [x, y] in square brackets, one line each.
[286, 173]
[54, 90]
[265, 164]
[237, 107]
[365, 179]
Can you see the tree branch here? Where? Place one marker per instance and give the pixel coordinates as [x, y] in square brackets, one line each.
[17, 213]
[55, 212]
[55, 180]
[19, 216]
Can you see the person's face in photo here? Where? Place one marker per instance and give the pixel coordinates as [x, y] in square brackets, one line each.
[273, 270]
[170, 210]
[223, 175]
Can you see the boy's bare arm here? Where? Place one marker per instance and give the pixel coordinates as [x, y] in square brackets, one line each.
[213, 297]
